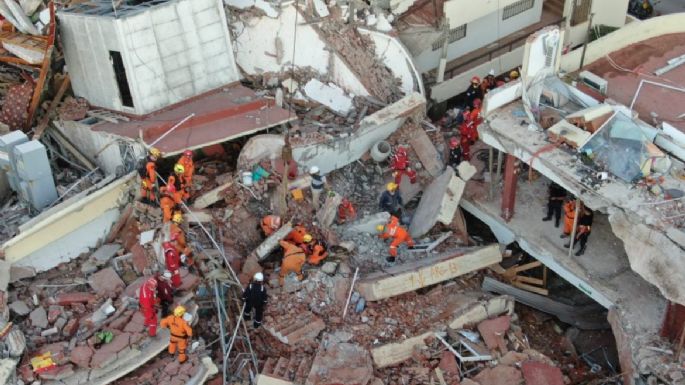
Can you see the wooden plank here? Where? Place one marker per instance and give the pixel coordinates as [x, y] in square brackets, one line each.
[533, 289]
[524, 267]
[29, 48]
[531, 280]
[441, 378]
[55, 101]
[44, 69]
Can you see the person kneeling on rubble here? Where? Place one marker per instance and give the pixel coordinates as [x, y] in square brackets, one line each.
[181, 332]
[315, 250]
[398, 234]
[293, 260]
[391, 200]
[255, 297]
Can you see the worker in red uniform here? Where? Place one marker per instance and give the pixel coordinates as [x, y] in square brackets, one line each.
[178, 237]
[186, 160]
[293, 260]
[474, 91]
[298, 235]
[180, 332]
[465, 134]
[398, 234]
[165, 293]
[147, 297]
[173, 263]
[455, 156]
[148, 176]
[400, 166]
[270, 224]
[346, 211]
[167, 204]
[476, 120]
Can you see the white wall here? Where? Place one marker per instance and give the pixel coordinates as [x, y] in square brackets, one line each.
[459, 12]
[479, 33]
[606, 12]
[171, 52]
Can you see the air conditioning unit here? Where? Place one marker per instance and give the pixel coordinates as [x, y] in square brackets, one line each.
[594, 81]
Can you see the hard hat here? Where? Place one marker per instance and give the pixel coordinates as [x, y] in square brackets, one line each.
[171, 188]
[380, 228]
[514, 74]
[151, 282]
[177, 217]
[174, 236]
[155, 152]
[179, 311]
[166, 274]
[491, 72]
[277, 222]
[179, 169]
[259, 277]
[475, 79]
[454, 142]
[392, 186]
[314, 170]
[164, 190]
[476, 103]
[307, 238]
[401, 150]
[188, 153]
[167, 245]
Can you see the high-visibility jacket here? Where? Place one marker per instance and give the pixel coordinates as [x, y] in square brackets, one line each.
[180, 243]
[296, 236]
[178, 327]
[188, 168]
[270, 224]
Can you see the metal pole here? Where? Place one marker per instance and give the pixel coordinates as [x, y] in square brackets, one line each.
[175, 126]
[230, 345]
[573, 230]
[499, 165]
[491, 154]
[587, 38]
[349, 295]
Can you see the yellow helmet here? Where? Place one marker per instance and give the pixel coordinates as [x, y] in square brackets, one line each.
[179, 169]
[380, 228]
[177, 218]
[179, 311]
[514, 74]
[307, 238]
[155, 152]
[392, 186]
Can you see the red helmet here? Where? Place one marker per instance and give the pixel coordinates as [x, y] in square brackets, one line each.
[476, 103]
[401, 151]
[151, 282]
[475, 79]
[454, 142]
[171, 188]
[167, 245]
[345, 202]
[188, 153]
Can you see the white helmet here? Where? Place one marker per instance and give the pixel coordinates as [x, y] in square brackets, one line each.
[313, 170]
[166, 274]
[492, 72]
[259, 277]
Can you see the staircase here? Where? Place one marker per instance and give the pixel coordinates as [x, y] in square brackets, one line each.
[554, 6]
[294, 370]
[290, 330]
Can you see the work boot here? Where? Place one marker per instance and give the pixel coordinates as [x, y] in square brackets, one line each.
[581, 251]
[545, 219]
[562, 236]
[556, 224]
[568, 244]
[390, 259]
[256, 324]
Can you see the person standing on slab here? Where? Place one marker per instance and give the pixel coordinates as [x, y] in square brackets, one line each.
[255, 297]
[317, 185]
[555, 200]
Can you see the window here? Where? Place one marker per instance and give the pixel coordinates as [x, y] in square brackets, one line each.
[581, 11]
[454, 35]
[122, 81]
[514, 9]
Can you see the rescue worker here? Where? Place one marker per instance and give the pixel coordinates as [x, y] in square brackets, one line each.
[177, 181]
[178, 237]
[489, 83]
[148, 176]
[475, 119]
[167, 204]
[270, 224]
[400, 166]
[513, 75]
[398, 234]
[569, 216]
[165, 293]
[180, 332]
[255, 297]
[391, 200]
[584, 229]
[147, 298]
[317, 185]
[316, 251]
[465, 135]
[173, 263]
[346, 211]
[186, 160]
[298, 235]
[293, 260]
[555, 199]
[473, 92]
[455, 157]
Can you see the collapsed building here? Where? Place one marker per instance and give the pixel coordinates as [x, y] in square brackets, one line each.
[262, 92]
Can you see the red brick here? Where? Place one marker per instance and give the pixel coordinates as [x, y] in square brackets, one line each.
[75, 297]
[54, 313]
[106, 282]
[537, 373]
[499, 375]
[139, 258]
[81, 356]
[448, 363]
[71, 327]
[57, 373]
[493, 331]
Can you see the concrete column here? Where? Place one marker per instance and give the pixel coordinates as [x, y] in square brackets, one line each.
[509, 191]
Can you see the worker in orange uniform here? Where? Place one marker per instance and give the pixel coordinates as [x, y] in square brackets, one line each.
[147, 298]
[270, 224]
[569, 217]
[148, 175]
[186, 160]
[177, 185]
[293, 260]
[398, 234]
[346, 211]
[476, 120]
[297, 235]
[180, 331]
[173, 263]
[316, 251]
[178, 237]
[167, 204]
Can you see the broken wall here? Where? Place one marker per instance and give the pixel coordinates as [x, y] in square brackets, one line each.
[70, 228]
[170, 52]
[341, 151]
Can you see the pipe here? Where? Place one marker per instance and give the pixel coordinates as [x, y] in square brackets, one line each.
[175, 126]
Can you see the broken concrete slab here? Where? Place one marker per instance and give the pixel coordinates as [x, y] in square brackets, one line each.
[240, 4]
[291, 329]
[39, 318]
[493, 331]
[5, 269]
[199, 216]
[439, 202]
[409, 190]
[271, 242]
[483, 310]
[263, 379]
[367, 224]
[426, 151]
[20, 308]
[466, 170]
[538, 373]
[394, 353]
[321, 8]
[147, 236]
[105, 252]
[18, 273]
[23, 23]
[327, 213]
[340, 364]
[330, 95]
[425, 272]
[209, 198]
[106, 282]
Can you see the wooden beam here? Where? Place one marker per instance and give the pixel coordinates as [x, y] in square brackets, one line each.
[44, 68]
[530, 288]
[531, 280]
[53, 105]
[527, 266]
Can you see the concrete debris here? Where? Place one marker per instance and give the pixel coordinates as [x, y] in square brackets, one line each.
[340, 363]
[321, 8]
[368, 223]
[439, 202]
[329, 95]
[466, 170]
[39, 318]
[20, 308]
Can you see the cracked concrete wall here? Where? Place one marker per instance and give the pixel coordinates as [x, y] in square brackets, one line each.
[652, 254]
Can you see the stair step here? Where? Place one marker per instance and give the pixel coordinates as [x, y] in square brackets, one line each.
[280, 367]
[302, 372]
[291, 370]
[268, 366]
[292, 327]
